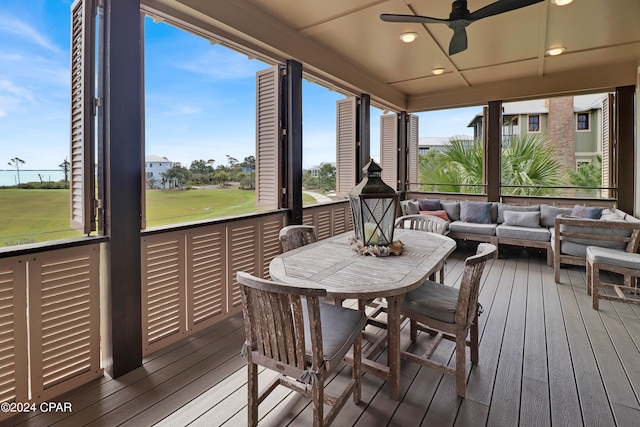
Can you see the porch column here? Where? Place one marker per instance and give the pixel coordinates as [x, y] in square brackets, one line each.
[626, 147]
[293, 128]
[363, 138]
[493, 150]
[121, 155]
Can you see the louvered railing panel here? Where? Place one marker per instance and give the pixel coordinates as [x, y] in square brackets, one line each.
[13, 332]
[329, 219]
[243, 237]
[64, 319]
[270, 242]
[206, 276]
[163, 284]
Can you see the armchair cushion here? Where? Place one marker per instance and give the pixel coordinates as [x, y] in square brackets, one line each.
[613, 257]
[340, 325]
[433, 300]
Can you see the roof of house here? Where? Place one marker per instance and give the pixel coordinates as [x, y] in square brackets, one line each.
[152, 158]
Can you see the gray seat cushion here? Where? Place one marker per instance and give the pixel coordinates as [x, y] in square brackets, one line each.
[524, 233]
[473, 228]
[340, 327]
[613, 257]
[433, 300]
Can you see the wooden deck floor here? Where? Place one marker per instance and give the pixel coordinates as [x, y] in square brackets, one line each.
[546, 358]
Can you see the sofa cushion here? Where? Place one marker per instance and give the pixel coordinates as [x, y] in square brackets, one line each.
[596, 231]
[475, 212]
[549, 213]
[473, 228]
[539, 234]
[412, 208]
[429, 204]
[440, 214]
[586, 212]
[522, 219]
[452, 209]
[503, 207]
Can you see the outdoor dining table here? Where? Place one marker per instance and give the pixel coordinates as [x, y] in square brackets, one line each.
[345, 274]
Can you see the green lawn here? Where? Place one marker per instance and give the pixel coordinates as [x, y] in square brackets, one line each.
[28, 216]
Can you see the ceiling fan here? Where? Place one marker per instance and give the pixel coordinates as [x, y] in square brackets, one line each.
[460, 18]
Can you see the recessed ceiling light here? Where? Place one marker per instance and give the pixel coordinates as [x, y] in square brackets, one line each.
[554, 51]
[408, 37]
[561, 2]
[437, 71]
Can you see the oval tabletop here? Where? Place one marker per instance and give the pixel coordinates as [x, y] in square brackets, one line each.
[331, 264]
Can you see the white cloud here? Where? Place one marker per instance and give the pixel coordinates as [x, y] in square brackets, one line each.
[12, 25]
[222, 64]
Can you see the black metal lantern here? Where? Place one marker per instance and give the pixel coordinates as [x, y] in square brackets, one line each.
[373, 208]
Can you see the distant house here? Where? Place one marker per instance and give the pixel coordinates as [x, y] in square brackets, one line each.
[428, 143]
[316, 169]
[576, 126]
[154, 167]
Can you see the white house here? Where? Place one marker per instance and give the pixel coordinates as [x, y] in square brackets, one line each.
[154, 167]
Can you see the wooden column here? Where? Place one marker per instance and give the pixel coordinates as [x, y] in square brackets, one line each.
[121, 135]
[293, 128]
[626, 147]
[493, 149]
[363, 151]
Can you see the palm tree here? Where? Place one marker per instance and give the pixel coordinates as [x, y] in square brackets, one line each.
[527, 161]
[16, 161]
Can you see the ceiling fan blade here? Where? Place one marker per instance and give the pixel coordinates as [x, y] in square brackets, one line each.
[458, 41]
[500, 6]
[390, 17]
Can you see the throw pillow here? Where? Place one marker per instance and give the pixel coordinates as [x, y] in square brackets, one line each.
[503, 207]
[522, 219]
[476, 212]
[429, 204]
[580, 211]
[441, 214]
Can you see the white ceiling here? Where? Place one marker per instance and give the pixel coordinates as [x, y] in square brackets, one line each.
[345, 44]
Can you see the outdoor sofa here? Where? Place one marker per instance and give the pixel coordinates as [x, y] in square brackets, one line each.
[530, 226]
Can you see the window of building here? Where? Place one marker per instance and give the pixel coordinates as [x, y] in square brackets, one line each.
[534, 123]
[582, 122]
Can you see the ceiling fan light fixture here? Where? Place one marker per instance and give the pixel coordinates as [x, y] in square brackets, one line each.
[408, 37]
[561, 2]
[437, 71]
[555, 51]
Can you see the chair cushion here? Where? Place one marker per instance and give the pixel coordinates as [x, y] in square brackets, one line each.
[613, 257]
[433, 300]
[340, 327]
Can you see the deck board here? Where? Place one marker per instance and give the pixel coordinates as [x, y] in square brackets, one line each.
[546, 358]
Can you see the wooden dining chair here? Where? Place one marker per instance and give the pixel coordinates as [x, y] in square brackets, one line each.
[450, 313]
[430, 223]
[290, 331]
[294, 236]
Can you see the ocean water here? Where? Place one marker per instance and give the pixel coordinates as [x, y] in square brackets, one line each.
[10, 177]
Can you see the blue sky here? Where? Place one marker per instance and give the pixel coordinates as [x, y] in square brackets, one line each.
[200, 101]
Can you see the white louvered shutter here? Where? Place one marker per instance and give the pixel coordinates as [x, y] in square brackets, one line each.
[389, 149]
[607, 146]
[412, 155]
[346, 145]
[82, 184]
[268, 133]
